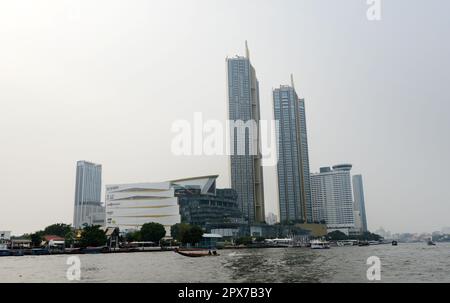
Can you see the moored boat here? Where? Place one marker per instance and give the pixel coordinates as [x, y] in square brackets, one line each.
[93, 250]
[346, 243]
[40, 251]
[17, 253]
[5, 253]
[72, 251]
[319, 244]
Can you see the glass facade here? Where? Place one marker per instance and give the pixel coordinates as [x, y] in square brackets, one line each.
[293, 159]
[360, 205]
[207, 209]
[88, 189]
[246, 169]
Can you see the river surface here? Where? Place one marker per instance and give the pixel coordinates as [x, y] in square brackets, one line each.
[404, 263]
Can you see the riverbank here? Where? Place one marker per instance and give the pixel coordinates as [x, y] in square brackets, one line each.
[106, 250]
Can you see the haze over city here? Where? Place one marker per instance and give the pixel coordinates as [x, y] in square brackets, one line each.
[103, 81]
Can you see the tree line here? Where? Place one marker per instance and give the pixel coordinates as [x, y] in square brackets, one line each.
[94, 236]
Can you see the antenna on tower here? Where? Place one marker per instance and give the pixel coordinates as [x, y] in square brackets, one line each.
[247, 52]
[292, 81]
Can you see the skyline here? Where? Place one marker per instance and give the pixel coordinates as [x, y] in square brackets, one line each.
[96, 89]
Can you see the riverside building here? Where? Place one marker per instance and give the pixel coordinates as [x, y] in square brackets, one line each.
[332, 198]
[192, 200]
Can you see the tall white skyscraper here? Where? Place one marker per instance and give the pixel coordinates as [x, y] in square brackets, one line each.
[88, 208]
[246, 169]
[360, 205]
[332, 197]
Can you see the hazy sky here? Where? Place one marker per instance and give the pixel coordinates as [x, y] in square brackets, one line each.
[104, 81]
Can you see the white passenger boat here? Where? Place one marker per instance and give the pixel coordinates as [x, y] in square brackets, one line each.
[347, 243]
[286, 242]
[319, 244]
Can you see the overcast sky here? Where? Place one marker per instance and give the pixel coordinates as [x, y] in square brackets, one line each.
[104, 81]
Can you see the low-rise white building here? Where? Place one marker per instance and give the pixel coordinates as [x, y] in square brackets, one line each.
[129, 206]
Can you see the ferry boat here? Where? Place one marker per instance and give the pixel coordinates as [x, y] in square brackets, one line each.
[430, 242]
[4, 251]
[347, 243]
[319, 244]
[286, 242]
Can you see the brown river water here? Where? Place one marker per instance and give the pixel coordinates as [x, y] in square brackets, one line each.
[404, 263]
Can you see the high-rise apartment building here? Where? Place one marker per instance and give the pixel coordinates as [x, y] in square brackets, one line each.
[88, 208]
[246, 168]
[294, 186]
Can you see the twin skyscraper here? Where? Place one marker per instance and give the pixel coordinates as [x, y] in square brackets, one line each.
[293, 160]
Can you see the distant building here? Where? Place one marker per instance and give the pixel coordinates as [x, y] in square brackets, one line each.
[332, 198]
[385, 234]
[88, 208]
[271, 219]
[294, 187]
[446, 230]
[359, 205]
[129, 206]
[246, 168]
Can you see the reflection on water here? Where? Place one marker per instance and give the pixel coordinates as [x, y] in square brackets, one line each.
[404, 263]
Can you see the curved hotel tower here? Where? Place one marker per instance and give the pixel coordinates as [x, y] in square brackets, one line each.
[246, 168]
[332, 197]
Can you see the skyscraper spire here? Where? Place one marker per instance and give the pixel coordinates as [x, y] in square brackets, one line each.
[247, 52]
[292, 81]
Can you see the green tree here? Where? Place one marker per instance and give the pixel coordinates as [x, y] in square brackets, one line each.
[244, 241]
[36, 239]
[133, 236]
[368, 236]
[59, 229]
[178, 230]
[92, 236]
[153, 232]
[69, 238]
[193, 235]
[260, 239]
[337, 236]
